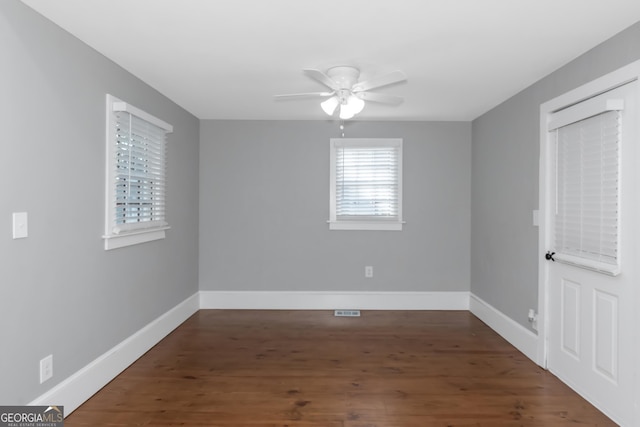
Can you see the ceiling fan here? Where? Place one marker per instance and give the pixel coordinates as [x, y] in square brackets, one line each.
[348, 95]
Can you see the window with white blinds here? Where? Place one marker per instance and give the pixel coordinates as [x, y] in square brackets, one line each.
[366, 184]
[587, 190]
[136, 175]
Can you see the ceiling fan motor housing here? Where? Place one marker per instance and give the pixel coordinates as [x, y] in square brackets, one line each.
[344, 76]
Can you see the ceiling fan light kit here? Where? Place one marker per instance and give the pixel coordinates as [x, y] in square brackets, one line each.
[353, 106]
[329, 106]
[349, 105]
[348, 96]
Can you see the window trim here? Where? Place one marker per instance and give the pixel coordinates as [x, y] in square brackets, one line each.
[126, 236]
[373, 224]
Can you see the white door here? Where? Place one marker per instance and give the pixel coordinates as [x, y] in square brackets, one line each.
[591, 232]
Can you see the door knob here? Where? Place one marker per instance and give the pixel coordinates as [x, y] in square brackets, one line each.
[549, 256]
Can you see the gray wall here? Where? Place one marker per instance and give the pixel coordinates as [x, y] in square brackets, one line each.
[505, 161]
[60, 292]
[264, 205]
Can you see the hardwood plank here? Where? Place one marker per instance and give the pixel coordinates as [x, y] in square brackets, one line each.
[310, 369]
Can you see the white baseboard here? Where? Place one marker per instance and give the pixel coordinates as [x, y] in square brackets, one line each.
[284, 300]
[516, 334]
[80, 386]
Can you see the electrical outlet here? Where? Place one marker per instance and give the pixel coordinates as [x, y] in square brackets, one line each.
[533, 319]
[46, 368]
[368, 272]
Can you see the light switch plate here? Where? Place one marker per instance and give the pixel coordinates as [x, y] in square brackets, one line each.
[20, 225]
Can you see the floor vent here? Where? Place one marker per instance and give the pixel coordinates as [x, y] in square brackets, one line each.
[346, 313]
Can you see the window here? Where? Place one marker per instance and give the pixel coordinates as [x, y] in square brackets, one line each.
[587, 185]
[366, 184]
[136, 169]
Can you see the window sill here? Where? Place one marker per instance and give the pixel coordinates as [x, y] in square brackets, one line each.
[366, 225]
[599, 267]
[115, 241]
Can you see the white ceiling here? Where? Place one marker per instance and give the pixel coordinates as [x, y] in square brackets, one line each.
[226, 59]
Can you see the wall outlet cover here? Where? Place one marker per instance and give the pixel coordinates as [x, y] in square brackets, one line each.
[46, 368]
[368, 272]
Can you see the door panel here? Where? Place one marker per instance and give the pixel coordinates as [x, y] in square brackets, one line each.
[570, 318]
[606, 335]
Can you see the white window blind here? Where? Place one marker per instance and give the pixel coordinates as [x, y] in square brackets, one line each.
[139, 173]
[136, 174]
[587, 193]
[366, 183]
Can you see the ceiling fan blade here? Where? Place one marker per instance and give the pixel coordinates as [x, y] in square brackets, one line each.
[304, 95]
[379, 97]
[384, 80]
[322, 78]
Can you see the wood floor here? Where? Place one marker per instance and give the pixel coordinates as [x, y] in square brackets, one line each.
[310, 369]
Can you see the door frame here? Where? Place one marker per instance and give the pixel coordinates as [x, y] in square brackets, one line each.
[598, 86]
